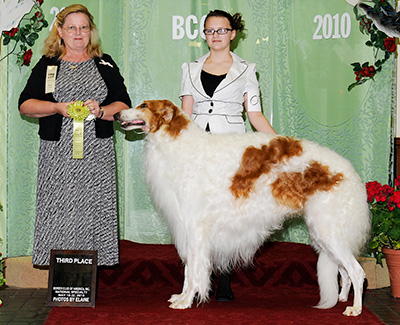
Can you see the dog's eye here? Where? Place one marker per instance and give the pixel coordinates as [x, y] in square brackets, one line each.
[143, 105]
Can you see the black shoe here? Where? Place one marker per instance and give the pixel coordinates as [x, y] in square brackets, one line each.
[224, 291]
[225, 296]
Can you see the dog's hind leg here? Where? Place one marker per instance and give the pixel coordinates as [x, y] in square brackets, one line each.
[357, 276]
[346, 284]
[345, 259]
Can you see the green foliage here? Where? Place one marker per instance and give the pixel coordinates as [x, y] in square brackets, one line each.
[382, 46]
[25, 35]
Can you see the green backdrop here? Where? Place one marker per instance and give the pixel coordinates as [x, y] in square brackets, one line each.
[303, 50]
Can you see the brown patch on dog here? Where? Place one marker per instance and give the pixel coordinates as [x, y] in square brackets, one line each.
[293, 189]
[256, 162]
[165, 113]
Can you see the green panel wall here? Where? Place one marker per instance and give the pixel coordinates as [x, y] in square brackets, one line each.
[303, 81]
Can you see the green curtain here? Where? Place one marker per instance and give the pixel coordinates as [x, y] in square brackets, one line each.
[303, 50]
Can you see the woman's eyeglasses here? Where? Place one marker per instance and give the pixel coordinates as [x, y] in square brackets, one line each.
[73, 29]
[219, 31]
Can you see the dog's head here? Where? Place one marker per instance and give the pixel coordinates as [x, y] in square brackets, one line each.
[152, 116]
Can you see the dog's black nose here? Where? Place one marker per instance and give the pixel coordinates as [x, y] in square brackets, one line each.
[116, 116]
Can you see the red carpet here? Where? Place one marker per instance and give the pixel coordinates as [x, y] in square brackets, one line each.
[280, 289]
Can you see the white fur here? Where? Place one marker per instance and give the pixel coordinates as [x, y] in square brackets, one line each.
[189, 177]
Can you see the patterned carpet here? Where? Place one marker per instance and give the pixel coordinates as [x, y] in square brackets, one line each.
[281, 288]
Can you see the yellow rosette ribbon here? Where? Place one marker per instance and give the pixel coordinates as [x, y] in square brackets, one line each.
[78, 113]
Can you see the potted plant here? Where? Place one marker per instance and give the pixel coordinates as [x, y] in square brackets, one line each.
[384, 203]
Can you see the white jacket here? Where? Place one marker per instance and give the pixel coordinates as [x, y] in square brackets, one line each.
[224, 110]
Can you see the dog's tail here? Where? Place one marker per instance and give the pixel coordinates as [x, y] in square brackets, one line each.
[328, 281]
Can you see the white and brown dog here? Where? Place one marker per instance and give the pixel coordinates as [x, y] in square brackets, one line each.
[224, 194]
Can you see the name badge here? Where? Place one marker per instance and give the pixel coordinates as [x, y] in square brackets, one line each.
[51, 79]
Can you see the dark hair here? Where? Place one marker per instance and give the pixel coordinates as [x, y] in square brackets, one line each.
[236, 20]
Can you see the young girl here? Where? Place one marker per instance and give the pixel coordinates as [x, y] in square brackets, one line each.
[214, 89]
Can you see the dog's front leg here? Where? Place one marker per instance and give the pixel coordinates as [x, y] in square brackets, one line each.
[177, 297]
[197, 279]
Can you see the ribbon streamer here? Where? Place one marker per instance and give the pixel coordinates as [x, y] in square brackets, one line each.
[78, 113]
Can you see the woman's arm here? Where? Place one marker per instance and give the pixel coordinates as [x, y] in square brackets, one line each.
[187, 104]
[113, 108]
[258, 120]
[43, 108]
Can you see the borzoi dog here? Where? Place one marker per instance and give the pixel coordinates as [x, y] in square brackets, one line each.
[224, 194]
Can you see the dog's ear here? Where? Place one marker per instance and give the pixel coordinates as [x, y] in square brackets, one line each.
[168, 111]
[167, 114]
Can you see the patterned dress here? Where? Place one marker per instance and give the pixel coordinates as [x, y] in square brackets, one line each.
[76, 198]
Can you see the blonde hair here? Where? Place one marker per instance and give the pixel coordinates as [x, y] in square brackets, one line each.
[54, 45]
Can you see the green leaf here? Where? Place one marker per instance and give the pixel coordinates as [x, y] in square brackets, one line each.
[30, 41]
[356, 65]
[34, 36]
[6, 40]
[25, 31]
[373, 244]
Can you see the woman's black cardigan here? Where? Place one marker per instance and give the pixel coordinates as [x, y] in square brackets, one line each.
[50, 126]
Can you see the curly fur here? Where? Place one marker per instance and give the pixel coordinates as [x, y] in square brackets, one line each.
[223, 195]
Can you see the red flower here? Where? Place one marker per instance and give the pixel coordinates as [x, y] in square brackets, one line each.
[384, 196]
[390, 44]
[366, 23]
[367, 72]
[39, 16]
[27, 57]
[40, 1]
[371, 71]
[12, 32]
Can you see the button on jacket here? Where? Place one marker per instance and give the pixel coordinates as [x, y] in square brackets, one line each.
[224, 110]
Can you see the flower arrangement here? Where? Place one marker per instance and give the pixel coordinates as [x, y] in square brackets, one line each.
[26, 34]
[384, 204]
[382, 45]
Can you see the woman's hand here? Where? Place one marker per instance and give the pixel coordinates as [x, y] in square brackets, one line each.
[94, 107]
[61, 108]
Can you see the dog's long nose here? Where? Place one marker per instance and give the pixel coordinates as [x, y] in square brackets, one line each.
[116, 116]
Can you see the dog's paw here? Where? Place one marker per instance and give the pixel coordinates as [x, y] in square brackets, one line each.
[174, 298]
[352, 311]
[180, 304]
[180, 301]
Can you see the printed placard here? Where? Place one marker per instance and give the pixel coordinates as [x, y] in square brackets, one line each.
[51, 79]
[72, 278]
